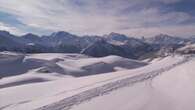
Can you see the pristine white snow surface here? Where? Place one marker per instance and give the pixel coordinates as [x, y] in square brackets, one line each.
[78, 82]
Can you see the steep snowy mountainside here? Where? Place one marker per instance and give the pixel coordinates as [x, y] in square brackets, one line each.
[103, 48]
[130, 49]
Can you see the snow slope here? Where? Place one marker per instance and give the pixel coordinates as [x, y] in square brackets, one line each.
[62, 88]
[172, 90]
[19, 69]
[62, 64]
[190, 48]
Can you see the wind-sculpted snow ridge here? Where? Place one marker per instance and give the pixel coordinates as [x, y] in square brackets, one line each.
[87, 95]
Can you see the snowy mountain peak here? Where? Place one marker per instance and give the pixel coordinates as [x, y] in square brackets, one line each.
[115, 34]
[116, 37]
[62, 34]
[4, 33]
[164, 39]
[31, 36]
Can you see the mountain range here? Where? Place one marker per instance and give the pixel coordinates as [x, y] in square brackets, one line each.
[97, 46]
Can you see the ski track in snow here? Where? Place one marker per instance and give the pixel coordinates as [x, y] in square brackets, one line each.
[87, 95]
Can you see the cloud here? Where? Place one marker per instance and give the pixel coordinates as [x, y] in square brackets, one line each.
[95, 16]
[181, 31]
[11, 29]
[168, 1]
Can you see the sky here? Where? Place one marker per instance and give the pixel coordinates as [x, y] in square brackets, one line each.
[99, 17]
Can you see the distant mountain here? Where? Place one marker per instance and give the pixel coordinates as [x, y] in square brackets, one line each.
[62, 42]
[32, 38]
[102, 48]
[97, 46]
[10, 42]
[164, 44]
[163, 39]
[192, 38]
[117, 44]
[85, 41]
[116, 37]
[59, 38]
